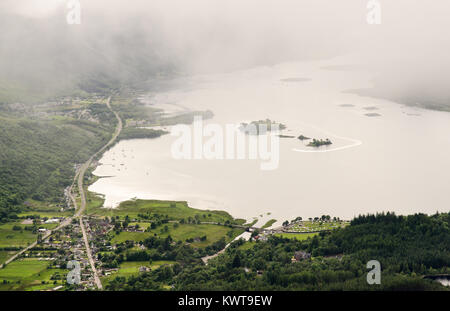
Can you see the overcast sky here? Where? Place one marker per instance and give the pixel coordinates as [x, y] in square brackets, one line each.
[411, 44]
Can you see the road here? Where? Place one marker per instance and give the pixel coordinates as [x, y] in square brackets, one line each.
[245, 235]
[82, 207]
[79, 177]
[89, 255]
[87, 164]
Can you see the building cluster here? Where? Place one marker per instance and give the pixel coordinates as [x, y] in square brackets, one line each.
[97, 230]
[67, 244]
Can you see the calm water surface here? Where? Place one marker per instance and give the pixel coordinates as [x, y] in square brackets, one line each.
[384, 157]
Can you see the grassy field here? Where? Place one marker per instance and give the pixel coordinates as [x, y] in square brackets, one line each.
[174, 210]
[130, 236]
[19, 238]
[29, 274]
[93, 200]
[4, 255]
[10, 237]
[47, 214]
[298, 236]
[142, 225]
[269, 223]
[183, 232]
[45, 208]
[247, 245]
[129, 268]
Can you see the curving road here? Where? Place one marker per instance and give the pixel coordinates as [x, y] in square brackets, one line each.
[79, 177]
[82, 207]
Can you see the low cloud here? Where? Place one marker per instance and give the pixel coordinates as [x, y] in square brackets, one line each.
[137, 39]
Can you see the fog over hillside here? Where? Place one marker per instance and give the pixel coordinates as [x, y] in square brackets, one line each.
[135, 40]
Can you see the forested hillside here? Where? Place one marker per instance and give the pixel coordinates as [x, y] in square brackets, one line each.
[37, 158]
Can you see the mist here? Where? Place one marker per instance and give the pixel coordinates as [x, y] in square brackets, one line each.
[127, 41]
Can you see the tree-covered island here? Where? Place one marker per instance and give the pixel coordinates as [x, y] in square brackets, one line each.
[260, 127]
[319, 142]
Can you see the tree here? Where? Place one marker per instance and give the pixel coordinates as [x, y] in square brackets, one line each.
[259, 264]
[236, 261]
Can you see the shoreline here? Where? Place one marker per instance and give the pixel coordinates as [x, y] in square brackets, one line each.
[352, 200]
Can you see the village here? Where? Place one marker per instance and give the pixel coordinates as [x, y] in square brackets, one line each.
[59, 247]
[59, 244]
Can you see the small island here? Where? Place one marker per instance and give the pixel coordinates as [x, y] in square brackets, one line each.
[260, 127]
[319, 142]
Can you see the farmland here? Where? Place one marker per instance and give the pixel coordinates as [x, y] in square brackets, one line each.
[30, 274]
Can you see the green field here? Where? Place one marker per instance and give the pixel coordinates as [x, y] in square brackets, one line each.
[130, 236]
[19, 238]
[129, 268]
[4, 255]
[37, 207]
[142, 225]
[298, 236]
[43, 209]
[269, 223]
[28, 274]
[181, 233]
[247, 245]
[93, 200]
[48, 214]
[174, 210]
[13, 238]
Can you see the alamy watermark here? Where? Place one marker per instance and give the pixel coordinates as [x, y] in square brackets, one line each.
[373, 15]
[374, 12]
[74, 275]
[374, 275]
[73, 16]
[228, 142]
